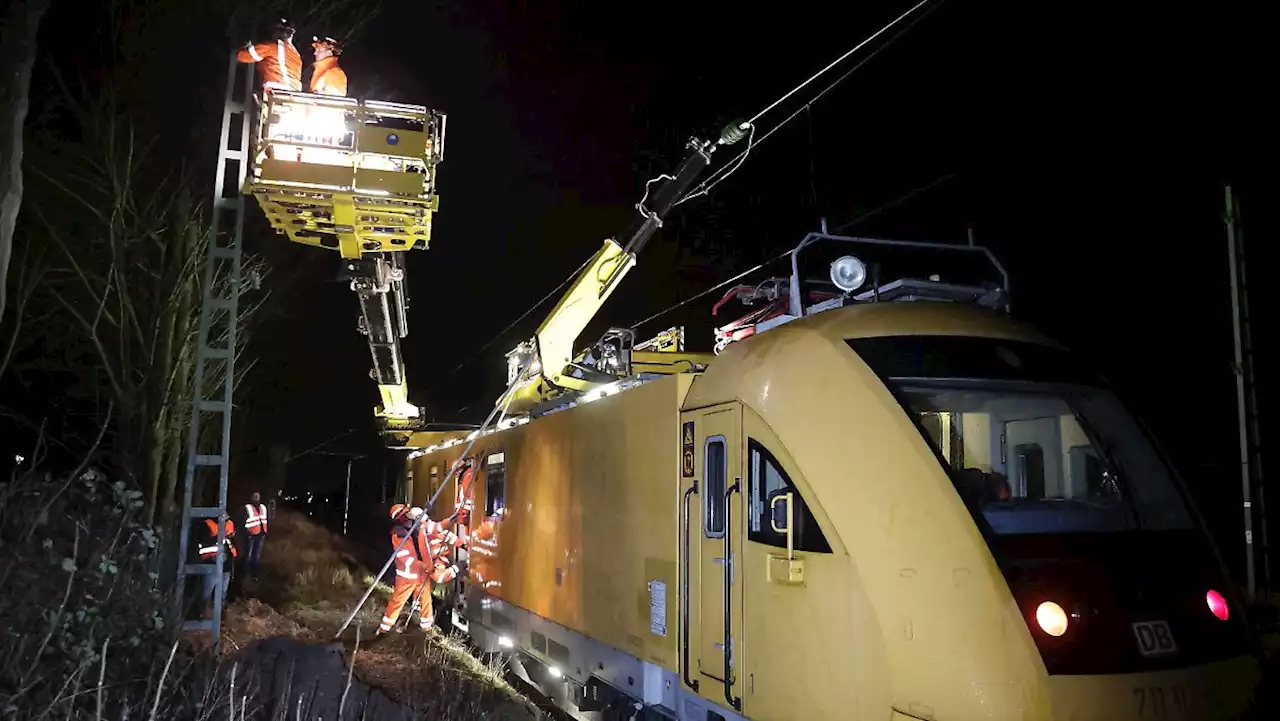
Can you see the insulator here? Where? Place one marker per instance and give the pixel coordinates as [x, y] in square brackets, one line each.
[733, 132]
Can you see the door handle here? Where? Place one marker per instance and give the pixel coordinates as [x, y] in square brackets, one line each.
[735, 702]
[684, 587]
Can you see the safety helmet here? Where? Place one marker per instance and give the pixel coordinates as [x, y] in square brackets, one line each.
[334, 46]
[397, 509]
[284, 30]
[415, 512]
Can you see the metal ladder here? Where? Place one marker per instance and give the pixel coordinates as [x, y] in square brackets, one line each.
[219, 307]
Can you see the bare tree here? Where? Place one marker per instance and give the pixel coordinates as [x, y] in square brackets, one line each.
[120, 165]
[17, 56]
[128, 243]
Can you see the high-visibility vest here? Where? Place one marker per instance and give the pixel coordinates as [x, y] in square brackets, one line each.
[410, 557]
[255, 519]
[328, 79]
[209, 546]
[278, 61]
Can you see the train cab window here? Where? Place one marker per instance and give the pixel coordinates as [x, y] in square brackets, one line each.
[713, 499]
[495, 484]
[766, 481]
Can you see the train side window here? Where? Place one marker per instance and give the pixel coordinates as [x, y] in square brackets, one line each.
[495, 484]
[713, 497]
[767, 481]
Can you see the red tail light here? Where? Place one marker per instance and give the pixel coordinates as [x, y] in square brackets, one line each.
[1217, 605]
[1052, 619]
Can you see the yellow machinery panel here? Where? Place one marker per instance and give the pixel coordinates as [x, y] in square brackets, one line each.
[603, 470]
[356, 176]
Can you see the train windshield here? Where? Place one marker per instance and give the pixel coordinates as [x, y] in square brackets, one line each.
[1033, 445]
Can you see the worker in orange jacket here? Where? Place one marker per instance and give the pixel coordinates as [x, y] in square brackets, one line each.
[278, 60]
[326, 77]
[208, 550]
[411, 563]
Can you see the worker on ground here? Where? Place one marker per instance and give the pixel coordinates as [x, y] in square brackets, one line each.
[412, 564]
[208, 550]
[278, 60]
[326, 77]
[255, 525]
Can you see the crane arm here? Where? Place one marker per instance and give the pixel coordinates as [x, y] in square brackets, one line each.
[378, 280]
[546, 359]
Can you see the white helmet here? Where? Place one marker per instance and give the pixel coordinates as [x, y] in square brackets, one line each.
[415, 512]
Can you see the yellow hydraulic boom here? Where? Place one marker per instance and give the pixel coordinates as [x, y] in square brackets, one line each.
[547, 361]
[358, 177]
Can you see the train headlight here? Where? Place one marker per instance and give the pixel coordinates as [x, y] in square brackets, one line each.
[1052, 619]
[848, 273]
[1217, 605]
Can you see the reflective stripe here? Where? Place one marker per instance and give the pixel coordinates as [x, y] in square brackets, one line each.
[406, 574]
[388, 619]
[255, 517]
[284, 69]
[402, 553]
[208, 549]
[253, 53]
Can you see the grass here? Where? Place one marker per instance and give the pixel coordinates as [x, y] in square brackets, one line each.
[84, 633]
[311, 579]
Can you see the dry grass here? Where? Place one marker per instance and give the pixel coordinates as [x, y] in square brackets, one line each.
[310, 580]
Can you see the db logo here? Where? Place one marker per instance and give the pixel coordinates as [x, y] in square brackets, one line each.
[1154, 638]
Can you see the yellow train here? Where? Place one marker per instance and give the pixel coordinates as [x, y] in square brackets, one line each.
[871, 508]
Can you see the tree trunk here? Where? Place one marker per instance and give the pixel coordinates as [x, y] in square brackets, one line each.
[17, 55]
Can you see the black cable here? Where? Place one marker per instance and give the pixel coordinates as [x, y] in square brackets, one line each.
[523, 315]
[733, 164]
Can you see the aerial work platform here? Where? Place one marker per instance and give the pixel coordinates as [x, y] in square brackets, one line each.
[356, 176]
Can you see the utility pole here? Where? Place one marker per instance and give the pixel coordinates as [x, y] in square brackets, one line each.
[1246, 406]
[346, 498]
[346, 495]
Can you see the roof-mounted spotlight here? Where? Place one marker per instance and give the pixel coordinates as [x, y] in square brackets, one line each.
[848, 273]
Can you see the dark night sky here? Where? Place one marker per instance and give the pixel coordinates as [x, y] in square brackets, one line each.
[1088, 147]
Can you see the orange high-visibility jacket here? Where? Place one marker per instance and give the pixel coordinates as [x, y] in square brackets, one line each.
[255, 518]
[278, 61]
[209, 547]
[328, 79]
[411, 556]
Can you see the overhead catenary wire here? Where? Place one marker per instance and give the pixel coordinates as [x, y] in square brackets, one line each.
[837, 61]
[736, 162]
[897, 201]
[497, 336]
[723, 172]
[879, 209]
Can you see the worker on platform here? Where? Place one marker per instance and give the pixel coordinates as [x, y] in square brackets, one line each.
[412, 564]
[326, 77]
[255, 525]
[278, 60]
[208, 550]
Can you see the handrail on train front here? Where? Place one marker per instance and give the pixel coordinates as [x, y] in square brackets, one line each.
[684, 587]
[796, 307]
[735, 702]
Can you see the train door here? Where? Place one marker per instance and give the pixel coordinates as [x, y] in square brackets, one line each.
[711, 452]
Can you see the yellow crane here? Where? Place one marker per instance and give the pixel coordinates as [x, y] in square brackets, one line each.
[357, 177]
